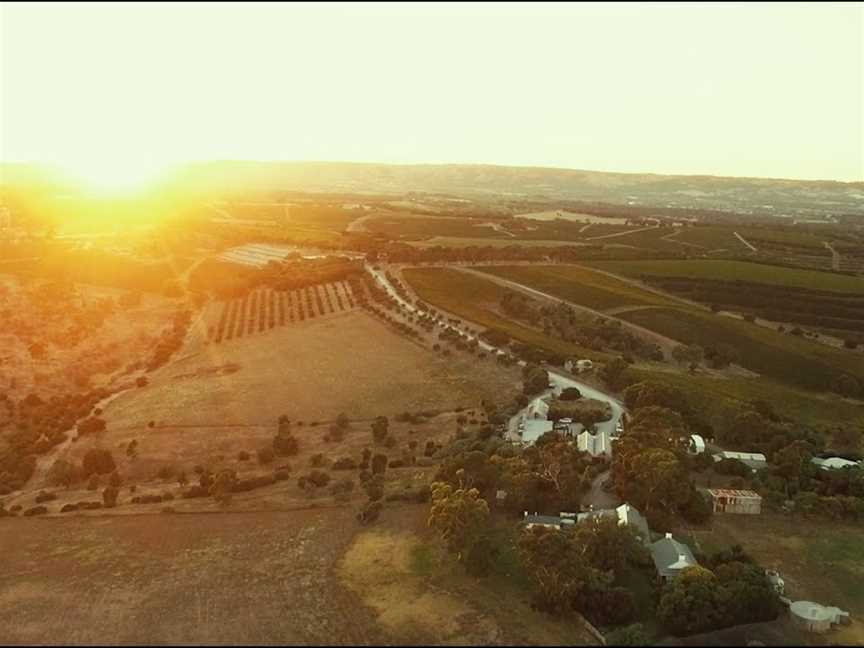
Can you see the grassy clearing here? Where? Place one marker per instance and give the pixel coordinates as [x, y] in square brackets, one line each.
[782, 237]
[731, 270]
[581, 286]
[474, 299]
[818, 562]
[786, 358]
[720, 398]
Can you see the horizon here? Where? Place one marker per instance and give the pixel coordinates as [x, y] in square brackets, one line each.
[626, 88]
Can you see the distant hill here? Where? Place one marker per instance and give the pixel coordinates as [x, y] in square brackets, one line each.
[799, 198]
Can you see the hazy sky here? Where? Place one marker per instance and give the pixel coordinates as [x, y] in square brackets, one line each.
[729, 89]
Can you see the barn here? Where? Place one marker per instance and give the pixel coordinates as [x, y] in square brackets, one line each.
[729, 500]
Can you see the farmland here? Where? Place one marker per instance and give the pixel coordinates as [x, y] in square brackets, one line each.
[263, 309]
[785, 358]
[719, 398]
[735, 270]
[477, 300]
[579, 285]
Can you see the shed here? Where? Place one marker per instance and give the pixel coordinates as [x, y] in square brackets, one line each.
[834, 463]
[697, 444]
[815, 617]
[755, 460]
[731, 500]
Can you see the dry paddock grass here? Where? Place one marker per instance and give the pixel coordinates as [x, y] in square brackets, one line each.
[226, 399]
[302, 577]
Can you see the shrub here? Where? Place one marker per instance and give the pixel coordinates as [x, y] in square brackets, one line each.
[36, 510]
[166, 472]
[369, 513]
[285, 444]
[379, 464]
[97, 461]
[345, 463]
[196, 491]
[93, 483]
[45, 497]
[317, 460]
[243, 456]
[396, 463]
[251, 483]
[141, 381]
[265, 455]
[281, 475]
[318, 477]
[109, 497]
[68, 508]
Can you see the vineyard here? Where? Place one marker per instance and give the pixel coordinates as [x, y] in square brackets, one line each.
[264, 308]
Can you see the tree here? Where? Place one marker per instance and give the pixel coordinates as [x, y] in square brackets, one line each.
[687, 354]
[647, 393]
[693, 602]
[380, 428]
[631, 635]
[614, 374]
[379, 464]
[751, 597]
[285, 444]
[97, 461]
[460, 516]
[606, 544]
[63, 473]
[109, 496]
[570, 394]
[562, 577]
[535, 379]
[847, 438]
[223, 486]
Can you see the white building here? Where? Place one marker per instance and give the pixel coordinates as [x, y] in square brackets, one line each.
[697, 444]
[755, 460]
[834, 463]
[594, 444]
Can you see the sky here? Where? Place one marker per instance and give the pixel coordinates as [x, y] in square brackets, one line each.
[118, 91]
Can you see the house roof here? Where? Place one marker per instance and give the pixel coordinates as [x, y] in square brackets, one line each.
[631, 516]
[666, 554]
[834, 463]
[593, 444]
[554, 520]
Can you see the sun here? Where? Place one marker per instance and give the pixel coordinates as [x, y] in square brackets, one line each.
[113, 175]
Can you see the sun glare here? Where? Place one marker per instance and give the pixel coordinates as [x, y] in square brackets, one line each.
[113, 176]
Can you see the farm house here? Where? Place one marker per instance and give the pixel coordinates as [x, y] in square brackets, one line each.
[727, 500]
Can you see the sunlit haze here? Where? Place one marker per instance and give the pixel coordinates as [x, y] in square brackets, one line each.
[114, 93]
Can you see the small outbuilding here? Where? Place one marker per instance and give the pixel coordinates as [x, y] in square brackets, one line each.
[816, 618]
[754, 460]
[697, 444]
[834, 463]
[730, 500]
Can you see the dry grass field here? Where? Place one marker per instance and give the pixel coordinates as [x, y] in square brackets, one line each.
[310, 577]
[223, 399]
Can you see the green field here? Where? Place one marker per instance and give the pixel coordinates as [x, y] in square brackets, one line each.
[786, 358]
[720, 398]
[473, 298]
[579, 285]
[783, 236]
[732, 270]
[711, 238]
[422, 227]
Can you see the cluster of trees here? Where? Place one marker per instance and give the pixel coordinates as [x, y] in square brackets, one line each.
[171, 340]
[33, 427]
[726, 589]
[578, 569]
[535, 380]
[565, 323]
[650, 465]
[227, 280]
